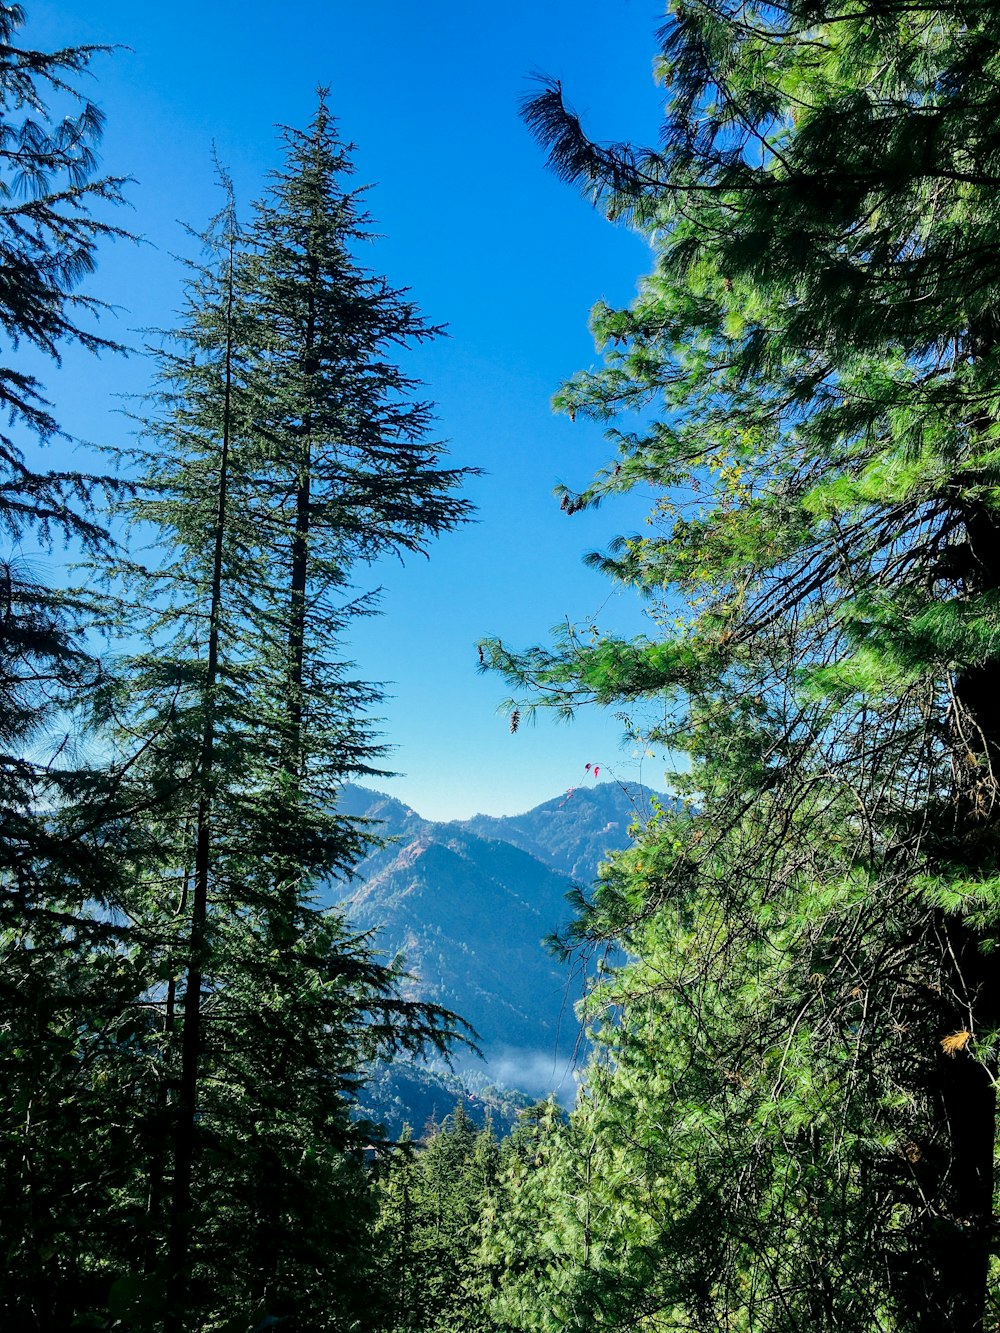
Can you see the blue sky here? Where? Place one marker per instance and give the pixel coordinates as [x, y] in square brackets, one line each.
[488, 242]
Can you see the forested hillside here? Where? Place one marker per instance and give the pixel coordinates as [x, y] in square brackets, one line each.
[471, 916]
[574, 832]
[786, 1117]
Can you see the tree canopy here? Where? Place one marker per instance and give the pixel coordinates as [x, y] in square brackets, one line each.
[812, 372]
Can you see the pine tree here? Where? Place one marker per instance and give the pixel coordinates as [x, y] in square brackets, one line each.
[432, 1202]
[68, 1016]
[345, 474]
[351, 474]
[280, 450]
[818, 341]
[401, 1280]
[48, 243]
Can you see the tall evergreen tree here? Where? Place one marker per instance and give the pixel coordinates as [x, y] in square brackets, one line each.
[818, 336]
[280, 451]
[48, 243]
[351, 474]
[67, 1012]
[49, 237]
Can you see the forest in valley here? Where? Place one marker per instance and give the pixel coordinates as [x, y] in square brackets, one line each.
[787, 1119]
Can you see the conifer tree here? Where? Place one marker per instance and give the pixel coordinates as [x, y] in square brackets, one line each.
[400, 1284]
[351, 474]
[432, 1201]
[67, 1011]
[279, 452]
[49, 237]
[818, 341]
[345, 473]
[48, 243]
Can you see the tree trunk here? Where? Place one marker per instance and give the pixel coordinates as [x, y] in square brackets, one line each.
[966, 1084]
[186, 1130]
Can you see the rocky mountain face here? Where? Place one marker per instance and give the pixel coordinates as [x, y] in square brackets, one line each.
[470, 904]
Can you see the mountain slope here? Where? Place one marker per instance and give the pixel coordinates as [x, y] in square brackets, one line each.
[470, 915]
[572, 833]
[470, 904]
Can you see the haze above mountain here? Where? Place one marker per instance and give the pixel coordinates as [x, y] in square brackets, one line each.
[469, 903]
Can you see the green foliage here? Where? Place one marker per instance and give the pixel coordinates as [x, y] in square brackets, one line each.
[70, 1017]
[281, 450]
[796, 1107]
[49, 236]
[434, 1200]
[183, 1033]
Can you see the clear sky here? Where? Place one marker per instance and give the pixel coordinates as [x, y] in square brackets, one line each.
[488, 242]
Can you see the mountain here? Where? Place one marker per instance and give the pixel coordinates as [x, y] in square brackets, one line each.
[470, 903]
[470, 915]
[572, 833]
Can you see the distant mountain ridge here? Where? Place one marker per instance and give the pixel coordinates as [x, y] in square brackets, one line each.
[573, 833]
[470, 903]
